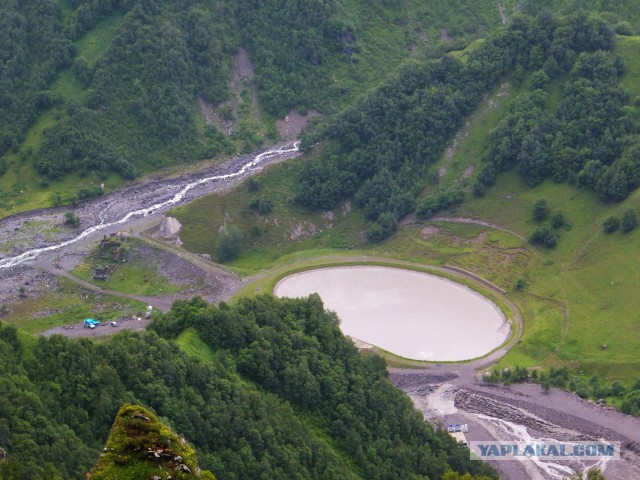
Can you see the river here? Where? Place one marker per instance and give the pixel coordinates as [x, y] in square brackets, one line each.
[132, 207]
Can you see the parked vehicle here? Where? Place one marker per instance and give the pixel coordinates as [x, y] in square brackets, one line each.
[90, 323]
[458, 428]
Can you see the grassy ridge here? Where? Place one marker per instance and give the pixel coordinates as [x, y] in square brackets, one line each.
[129, 453]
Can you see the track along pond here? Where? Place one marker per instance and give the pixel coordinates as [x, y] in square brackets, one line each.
[411, 314]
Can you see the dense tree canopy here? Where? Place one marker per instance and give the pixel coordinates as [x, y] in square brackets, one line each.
[129, 103]
[282, 380]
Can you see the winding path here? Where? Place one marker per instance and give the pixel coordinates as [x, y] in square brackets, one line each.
[474, 221]
[162, 303]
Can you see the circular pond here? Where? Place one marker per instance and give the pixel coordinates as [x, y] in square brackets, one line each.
[408, 313]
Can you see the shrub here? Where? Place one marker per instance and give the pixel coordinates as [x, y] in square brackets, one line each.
[381, 229]
[545, 235]
[229, 243]
[256, 230]
[540, 210]
[253, 184]
[631, 403]
[70, 218]
[558, 220]
[261, 205]
[629, 220]
[611, 224]
[434, 203]
[88, 191]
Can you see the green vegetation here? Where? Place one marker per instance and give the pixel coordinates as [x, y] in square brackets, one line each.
[545, 235]
[576, 298]
[574, 293]
[190, 343]
[379, 150]
[261, 205]
[591, 474]
[67, 304]
[70, 218]
[558, 220]
[140, 446]
[285, 229]
[123, 265]
[282, 381]
[540, 210]
[439, 201]
[629, 220]
[229, 243]
[544, 108]
[100, 92]
[585, 386]
[611, 224]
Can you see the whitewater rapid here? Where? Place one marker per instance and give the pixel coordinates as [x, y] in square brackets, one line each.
[254, 162]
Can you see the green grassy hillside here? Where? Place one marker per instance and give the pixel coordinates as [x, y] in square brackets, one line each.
[589, 276]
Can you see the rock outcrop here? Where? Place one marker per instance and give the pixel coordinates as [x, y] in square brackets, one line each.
[140, 447]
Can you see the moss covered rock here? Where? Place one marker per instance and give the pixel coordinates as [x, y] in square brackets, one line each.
[140, 447]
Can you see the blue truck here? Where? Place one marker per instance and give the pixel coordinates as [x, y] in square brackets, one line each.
[91, 323]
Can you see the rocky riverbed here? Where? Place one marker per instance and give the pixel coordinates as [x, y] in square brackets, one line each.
[42, 229]
[523, 413]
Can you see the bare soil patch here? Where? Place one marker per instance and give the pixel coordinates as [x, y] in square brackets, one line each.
[429, 231]
[469, 170]
[445, 36]
[23, 282]
[293, 123]
[225, 114]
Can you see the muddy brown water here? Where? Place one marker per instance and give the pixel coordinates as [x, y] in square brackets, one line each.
[412, 314]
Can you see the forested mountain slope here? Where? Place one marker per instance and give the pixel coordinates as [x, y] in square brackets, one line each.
[94, 91]
[558, 122]
[97, 92]
[380, 149]
[285, 396]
